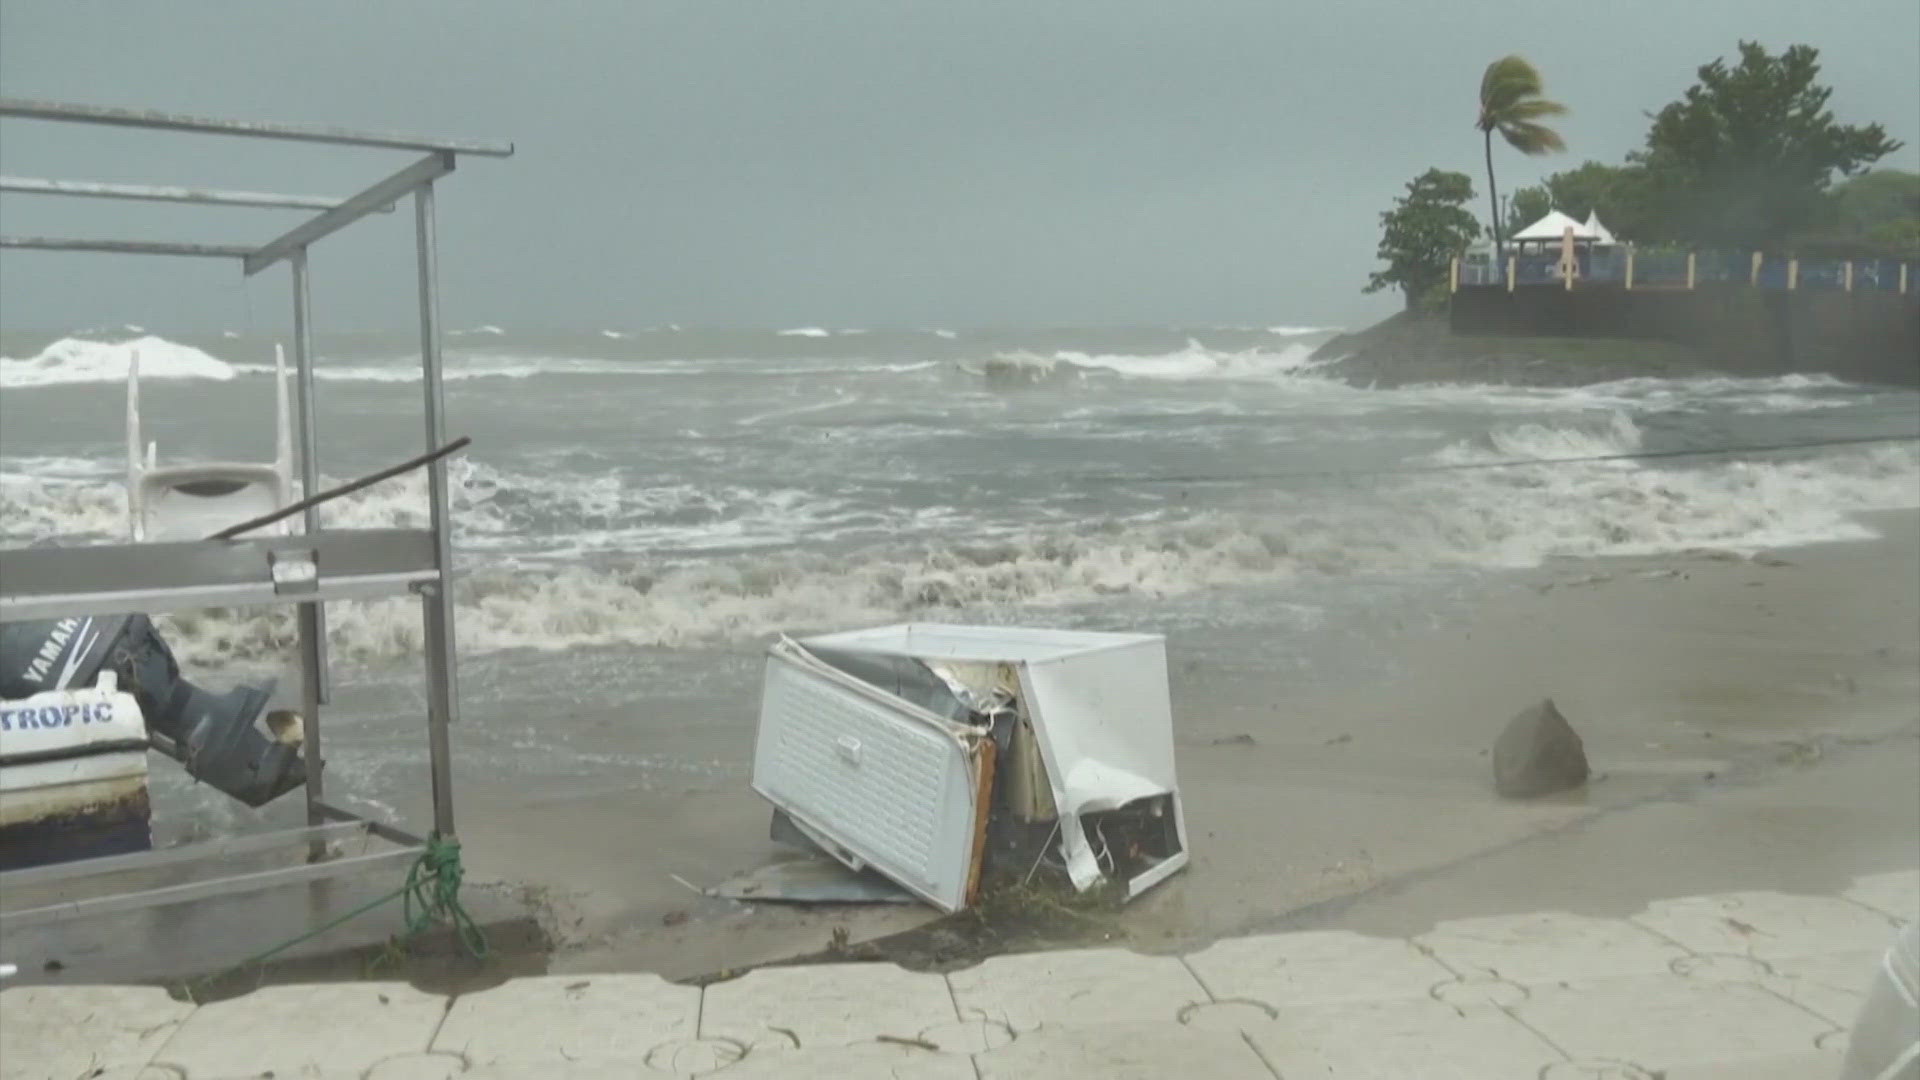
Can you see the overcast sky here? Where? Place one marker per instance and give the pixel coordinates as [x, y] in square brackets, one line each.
[854, 163]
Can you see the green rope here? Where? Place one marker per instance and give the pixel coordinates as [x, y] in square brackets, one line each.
[431, 895]
[433, 884]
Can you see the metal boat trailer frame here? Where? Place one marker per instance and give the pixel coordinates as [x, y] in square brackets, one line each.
[308, 569]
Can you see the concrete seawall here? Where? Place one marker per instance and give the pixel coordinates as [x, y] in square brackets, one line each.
[1858, 336]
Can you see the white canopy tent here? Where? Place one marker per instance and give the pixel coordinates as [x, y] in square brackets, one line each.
[1553, 227]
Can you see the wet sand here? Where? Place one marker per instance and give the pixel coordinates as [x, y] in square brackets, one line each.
[1752, 723]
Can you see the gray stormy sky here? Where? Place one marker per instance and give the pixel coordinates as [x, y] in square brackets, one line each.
[854, 163]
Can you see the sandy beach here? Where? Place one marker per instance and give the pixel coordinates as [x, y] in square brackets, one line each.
[1751, 719]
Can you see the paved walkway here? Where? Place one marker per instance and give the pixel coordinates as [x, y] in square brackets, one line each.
[1748, 985]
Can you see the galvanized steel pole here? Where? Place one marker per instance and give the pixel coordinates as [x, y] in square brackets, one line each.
[23, 109]
[312, 616]
[437, 605]
[91, 189]
[125, 247]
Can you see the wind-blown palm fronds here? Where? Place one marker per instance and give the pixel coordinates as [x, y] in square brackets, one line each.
[1510, 103]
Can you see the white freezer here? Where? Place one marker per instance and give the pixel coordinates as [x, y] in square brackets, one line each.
[879, 781]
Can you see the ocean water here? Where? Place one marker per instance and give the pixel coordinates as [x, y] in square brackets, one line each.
[642, 508]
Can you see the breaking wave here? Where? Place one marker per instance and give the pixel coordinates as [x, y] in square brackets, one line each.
[734, 558]
[498, 513]
[464, 368]
[1492, 518]
[1194, 362]
[1616, 435]
[1514, 519]
[79, 360]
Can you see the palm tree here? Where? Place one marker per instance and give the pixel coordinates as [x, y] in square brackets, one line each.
[1510, 103]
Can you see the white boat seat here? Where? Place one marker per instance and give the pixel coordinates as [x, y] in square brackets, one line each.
[192, 502]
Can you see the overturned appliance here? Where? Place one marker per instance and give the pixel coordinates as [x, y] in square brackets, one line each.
[941, 755]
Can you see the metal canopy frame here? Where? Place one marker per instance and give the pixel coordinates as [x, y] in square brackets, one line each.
[345, 563]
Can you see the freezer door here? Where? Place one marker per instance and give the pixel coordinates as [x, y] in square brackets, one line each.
[883, 782]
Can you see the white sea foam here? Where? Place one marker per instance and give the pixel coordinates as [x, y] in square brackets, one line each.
[1299, 331]
[613, 335]
[947, 334]
[1497, 517]
[1193, 363]
[842, 400]
[497, 512]
[1776, 394]
[1315, 385]
[724, 564]
[36, 505]
[457, 371]
[487, 330]
[807, 331]
[1616, 435]
[78, 360]
[1620, 507]
[462, 368]
[1489, 520]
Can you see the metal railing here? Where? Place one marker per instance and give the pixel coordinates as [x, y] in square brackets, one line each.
[1665, 269]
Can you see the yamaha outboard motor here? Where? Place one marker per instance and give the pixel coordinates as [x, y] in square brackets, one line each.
[211, 734]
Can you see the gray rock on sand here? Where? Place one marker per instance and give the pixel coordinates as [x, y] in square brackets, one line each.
[1539, 753]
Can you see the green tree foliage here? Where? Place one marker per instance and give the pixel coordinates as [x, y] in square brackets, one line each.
[1879, 208]
[1745, 157]
[1511, 104]
[1426, 229]
[1612, 191]
[1528, 205]
[1615, 192]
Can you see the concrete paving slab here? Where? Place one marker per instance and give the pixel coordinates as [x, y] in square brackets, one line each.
[1767, 925]
[1548, 946]
[68, 1030]
[806, 1008]
[1832, 987]
[1409, 1038]
[970, 1036]
[1125, 1052]
[698, 1057]
[1897, 894]
[1835, 985]
[1079, 986]
[1315, 968]
[560, 1018]
[324, 1030]
[1811, 1065]
[427, 1066]
[1665, 1021]
[1494, 998]
[570, 1071]
[864, 1061]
